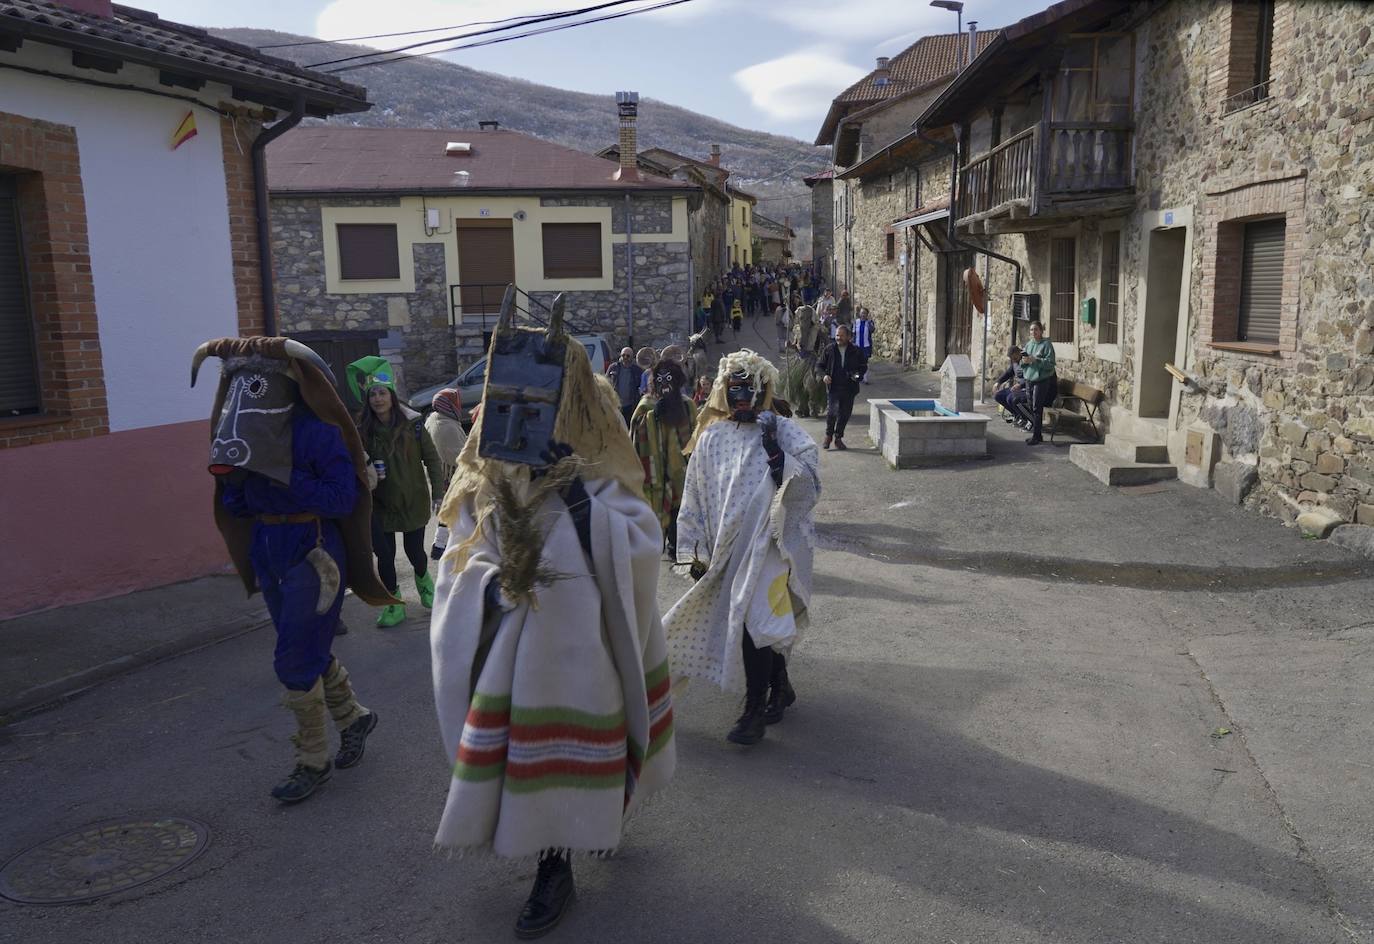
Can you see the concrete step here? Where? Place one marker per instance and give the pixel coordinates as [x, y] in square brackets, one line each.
[1103, 464]
[1135, 449]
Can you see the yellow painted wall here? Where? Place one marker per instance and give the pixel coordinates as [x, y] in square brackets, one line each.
[741, 230]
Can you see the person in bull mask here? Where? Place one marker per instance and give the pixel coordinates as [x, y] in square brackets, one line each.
[663, 426]
[292, 502]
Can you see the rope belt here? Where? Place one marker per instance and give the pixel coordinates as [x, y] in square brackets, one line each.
[300, 518]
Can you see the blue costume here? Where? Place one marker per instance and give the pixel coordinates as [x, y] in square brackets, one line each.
[323, 483]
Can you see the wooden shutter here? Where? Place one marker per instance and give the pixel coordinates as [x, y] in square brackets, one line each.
[1261, 282]
[486, 264]
[572, 250]
[368, 251]
[19, 392]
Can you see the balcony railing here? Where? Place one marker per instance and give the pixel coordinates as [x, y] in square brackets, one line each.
[1046, 161]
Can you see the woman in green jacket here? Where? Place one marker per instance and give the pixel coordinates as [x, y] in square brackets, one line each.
[1037, 356]
[410, 479]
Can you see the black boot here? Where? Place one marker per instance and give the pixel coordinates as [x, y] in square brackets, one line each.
[781, 696]
[301, 782]
[353, 741]
[749, 728]
[553, 891]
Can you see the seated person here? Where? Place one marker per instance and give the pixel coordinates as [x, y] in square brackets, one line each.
[1012, 394]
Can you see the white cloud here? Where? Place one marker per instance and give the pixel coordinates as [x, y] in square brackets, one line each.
[861, 20]
[799, 85]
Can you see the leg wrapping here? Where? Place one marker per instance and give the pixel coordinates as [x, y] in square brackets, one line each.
[338, 695]
[311, 738]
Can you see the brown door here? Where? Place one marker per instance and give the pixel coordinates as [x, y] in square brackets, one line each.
[958, 307]
[486, 265]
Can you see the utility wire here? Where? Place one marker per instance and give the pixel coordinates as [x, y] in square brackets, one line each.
[502, 39]
[526, 21]
[417, 32]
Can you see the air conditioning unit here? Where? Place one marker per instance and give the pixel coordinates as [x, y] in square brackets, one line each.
[1025, 306]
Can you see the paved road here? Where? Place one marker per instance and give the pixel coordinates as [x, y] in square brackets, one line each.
[999, 738]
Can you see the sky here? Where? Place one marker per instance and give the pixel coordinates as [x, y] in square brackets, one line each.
[770, 65]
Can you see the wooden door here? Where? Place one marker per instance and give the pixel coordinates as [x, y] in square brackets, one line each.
[486, 265]
[958, 307]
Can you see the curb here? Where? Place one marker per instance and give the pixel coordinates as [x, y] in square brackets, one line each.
[60, 691]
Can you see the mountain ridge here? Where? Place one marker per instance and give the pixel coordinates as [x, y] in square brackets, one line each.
[425, 92]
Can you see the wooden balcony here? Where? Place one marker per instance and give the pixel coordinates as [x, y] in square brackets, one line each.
[1046, 174]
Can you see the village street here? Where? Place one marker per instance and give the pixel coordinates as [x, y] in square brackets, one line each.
[1009, 729]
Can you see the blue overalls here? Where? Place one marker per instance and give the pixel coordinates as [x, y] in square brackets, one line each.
[324, 484]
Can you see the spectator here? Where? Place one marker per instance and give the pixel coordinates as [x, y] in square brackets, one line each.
[1037, 359]
[736, 317]
[841, 367]
[1011, 393]
[824, 306]
[782, 320]
[718, 318]
[703, 390]
[624, 375]
[863, 337]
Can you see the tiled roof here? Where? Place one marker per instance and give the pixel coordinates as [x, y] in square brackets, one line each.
[341, 159]
[139, 36]
[827, 174]
[766, 228]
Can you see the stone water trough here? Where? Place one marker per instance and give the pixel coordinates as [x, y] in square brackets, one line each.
[916, 432]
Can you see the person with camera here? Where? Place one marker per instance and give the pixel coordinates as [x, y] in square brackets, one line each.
[1037, 364]
[842, 368]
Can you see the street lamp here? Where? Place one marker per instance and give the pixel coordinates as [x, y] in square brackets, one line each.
[958, 9]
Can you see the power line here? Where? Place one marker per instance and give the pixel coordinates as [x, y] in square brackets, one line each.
[525, 21]
[505, 39]
[432, 29]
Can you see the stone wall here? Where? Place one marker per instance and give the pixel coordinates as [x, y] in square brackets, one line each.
[823, 227]
[877, 282]
[706, 226]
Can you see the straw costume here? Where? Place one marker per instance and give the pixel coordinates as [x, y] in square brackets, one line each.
[662, 428]
[803, 386]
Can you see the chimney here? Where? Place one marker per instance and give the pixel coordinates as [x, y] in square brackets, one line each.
[714, 159]
[103, 8]
[972, 40]
[627, 104]
[489, 125]
[882, 75]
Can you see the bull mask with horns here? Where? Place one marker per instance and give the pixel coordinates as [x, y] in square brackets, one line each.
[524, 387]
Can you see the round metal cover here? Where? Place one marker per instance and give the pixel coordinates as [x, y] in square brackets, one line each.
[101, 860]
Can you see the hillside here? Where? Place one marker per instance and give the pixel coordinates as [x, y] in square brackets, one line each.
[432, 93]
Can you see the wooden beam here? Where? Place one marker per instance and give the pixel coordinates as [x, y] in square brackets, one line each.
[86, 60]
[176, 80]
[10, 42]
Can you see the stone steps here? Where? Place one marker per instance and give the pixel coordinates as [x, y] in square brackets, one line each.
[1108, 466]
[1135, 449]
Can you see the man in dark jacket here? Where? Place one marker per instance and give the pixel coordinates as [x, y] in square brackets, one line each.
[625, 375]
[842, 367]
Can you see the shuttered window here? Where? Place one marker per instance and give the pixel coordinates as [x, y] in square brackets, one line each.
[368, 251]
[1261, 282]
[19, 393]
[1110, 328]
[1062, 289]
[572, 250]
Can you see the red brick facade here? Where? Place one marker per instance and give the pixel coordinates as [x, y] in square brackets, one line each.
[52, 210]
[236, 140]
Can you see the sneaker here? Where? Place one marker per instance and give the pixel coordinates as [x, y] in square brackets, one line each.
[425, 587]
[549, 899]
[839, 444]
[353, 741]
[301, 782]
[391, 614]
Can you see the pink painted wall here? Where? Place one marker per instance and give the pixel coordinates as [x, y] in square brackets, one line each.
[99, 517]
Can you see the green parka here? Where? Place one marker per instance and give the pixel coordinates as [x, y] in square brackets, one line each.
[401, 501]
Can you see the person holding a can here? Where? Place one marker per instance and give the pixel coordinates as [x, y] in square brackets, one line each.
[410, 479]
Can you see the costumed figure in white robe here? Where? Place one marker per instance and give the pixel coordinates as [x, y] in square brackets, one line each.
[550, 666]
[746, 530]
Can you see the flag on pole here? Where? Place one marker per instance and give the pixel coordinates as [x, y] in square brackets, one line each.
[185, 131]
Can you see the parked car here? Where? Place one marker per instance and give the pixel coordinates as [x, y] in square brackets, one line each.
[470, 382]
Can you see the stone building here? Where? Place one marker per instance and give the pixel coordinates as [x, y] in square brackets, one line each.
[822, 187]
[772, 240]
[1186, 188]
[404, 240]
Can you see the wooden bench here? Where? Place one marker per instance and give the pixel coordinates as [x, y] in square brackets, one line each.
[1075, 402]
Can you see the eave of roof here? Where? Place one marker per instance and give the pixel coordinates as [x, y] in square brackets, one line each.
[910, 146]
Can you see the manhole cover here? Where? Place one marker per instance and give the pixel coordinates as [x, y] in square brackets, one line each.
[101, 860]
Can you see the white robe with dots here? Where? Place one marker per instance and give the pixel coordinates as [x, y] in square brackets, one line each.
[758, 541]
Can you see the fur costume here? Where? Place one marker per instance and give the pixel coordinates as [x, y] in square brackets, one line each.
[802, 385]
[554, 706]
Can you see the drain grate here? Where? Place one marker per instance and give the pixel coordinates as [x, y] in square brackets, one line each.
[102, 859]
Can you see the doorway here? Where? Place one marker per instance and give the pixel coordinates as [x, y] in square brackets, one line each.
[958, 306]
[1159, 328]
[486, 265]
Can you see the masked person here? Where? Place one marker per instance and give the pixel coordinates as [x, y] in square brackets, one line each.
[746, 531]
[292, 503]
[661, 433]
[550, 667]
[802, 385]
[410, 479]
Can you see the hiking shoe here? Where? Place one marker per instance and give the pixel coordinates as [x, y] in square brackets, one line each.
[301, 782]
[353, 741]
[425, 586]
[391, 614]
[549, 899]
[749, 728]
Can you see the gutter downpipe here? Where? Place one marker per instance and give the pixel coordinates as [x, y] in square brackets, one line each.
[260, 205]
[629, 272]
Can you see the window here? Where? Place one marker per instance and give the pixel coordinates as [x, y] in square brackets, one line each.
[1062, 293]
[1110, 326]
[1261, 282]
[743, 216]
[1095, 79]
[19, 393]
[368, 251]
[572, 250]
[891, 246]
[1251, 48]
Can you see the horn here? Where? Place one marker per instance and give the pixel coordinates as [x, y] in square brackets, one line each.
[197, 359]
[555, 327]
[506, 320]
[304, 352]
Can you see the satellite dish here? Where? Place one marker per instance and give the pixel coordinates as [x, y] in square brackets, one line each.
[976, 293]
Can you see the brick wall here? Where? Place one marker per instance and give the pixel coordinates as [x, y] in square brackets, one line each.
[52, 209]
[236, 139]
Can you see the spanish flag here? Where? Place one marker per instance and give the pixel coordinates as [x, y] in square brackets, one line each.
[185, 131]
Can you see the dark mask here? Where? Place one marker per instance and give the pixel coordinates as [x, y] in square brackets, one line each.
[523, 389]
[742, 398]
[253, 431]
[668, 380]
